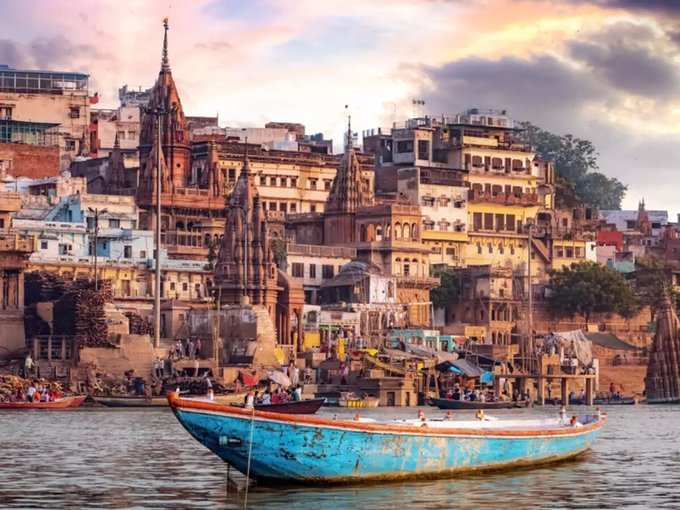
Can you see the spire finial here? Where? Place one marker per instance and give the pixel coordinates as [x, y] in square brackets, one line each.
[350, 145]
[116, 142]
[165, 64]
[246, 163]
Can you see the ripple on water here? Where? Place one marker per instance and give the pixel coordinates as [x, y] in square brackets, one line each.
[104, 458]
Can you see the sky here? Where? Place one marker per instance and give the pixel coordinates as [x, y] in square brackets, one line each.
[603, 70]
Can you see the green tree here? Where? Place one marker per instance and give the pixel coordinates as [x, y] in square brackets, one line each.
[577, 180]
[652, 283]
[587, 288]
[449, 289]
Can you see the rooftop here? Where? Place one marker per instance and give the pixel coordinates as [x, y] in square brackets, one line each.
[50, 82]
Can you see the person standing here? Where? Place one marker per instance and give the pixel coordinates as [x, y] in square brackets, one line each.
[28, 366]
[294, 374]
[192, 349]
[198, 348]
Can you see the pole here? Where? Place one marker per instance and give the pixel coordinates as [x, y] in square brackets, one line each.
[245, 254]
[157, 292]
[530, 341]
[94, 249]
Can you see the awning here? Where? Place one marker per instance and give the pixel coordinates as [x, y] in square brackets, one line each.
[610, 341]
[461, 367]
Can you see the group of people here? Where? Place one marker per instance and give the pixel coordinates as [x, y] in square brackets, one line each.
[278, 396]
[468, 394]
[183, 349]
[35, 392]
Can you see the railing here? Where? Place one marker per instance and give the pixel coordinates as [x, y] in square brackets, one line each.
[180, 238]
[429, 281]
[54, 348]
[321, 251]
[504, 198]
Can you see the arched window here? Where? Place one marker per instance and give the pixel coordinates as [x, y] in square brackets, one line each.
[501, 250]
[407, 231]
[379, 233]
[388, 231]
[397, 265]
[414, 231]
[397, 231]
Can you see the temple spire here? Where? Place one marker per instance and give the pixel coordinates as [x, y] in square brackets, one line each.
[165, 64]
[116, 142]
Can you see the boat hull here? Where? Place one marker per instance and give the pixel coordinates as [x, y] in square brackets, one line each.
[132, 401]
[309, 449]
[62, 403]
[447, 403]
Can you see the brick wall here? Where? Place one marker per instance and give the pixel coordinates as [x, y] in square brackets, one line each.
[33, 161]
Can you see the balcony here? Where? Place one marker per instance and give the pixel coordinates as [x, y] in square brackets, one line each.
[502, 198]
[12, 242]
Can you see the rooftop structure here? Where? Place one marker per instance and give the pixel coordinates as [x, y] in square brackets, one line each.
[46, 82]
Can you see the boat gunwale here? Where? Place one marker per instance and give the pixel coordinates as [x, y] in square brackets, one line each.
[177, 403]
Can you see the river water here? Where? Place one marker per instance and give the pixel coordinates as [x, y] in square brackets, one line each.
[118, 458]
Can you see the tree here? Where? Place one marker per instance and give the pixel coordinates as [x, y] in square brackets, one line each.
[449, 289]
[280, 253]
[652, 283]
[587, 288]
[600, 191]
[578, 180]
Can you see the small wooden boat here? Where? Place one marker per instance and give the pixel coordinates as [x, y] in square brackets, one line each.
[137, 401]
[448, 403]
[352, 400]
[296, 407]
[132, 401]
[274, 447]
[60, 403]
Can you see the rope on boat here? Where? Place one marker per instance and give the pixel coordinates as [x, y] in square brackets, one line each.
[250, 453]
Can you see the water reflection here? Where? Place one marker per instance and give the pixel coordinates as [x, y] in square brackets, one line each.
[94, 458]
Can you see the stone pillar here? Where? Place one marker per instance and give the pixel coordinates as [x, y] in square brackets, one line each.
[564, 393]
[589, 391]
[541, 391]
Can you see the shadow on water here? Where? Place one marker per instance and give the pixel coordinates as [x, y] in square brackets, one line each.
[104, 458]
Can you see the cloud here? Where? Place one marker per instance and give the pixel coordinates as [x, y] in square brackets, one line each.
[615, 87]
[11, 54]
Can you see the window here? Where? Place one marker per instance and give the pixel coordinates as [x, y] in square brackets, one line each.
[43, 245]
[69, 145]
[312, 183]
[510, 222]
[490, 247]
[64, 249]
[293, 208]
[312, 208]
[74, 112]
[569, 252]
[479, 249]
[172, 285]
[127, 251]
[283, 207]
[327, 185]
[142, 254]
[312, 270]
[298, 270]
[272, 206]
[477, 221]
[185, 286]
[5, 113]
[326, 271]
[293, 182]
[405, 146]
[427, 201]
[407, 268]
[272, 181]
[114, 223]
[631, 224]
[577, 252]
[500, 222]
[488, 221]
[232, 174]
[423, 149]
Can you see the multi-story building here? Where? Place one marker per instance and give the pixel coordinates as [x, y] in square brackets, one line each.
[443, 196]
[47, 100]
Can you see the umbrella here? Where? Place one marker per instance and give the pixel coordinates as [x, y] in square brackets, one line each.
[279, 378]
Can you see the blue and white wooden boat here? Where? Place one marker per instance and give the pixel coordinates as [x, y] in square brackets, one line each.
[277, 447]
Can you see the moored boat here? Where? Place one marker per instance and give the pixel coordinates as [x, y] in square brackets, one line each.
[294, 407]
[448, 403]
[60, 403]
[275, 447]
[352, 400]
[142, 401]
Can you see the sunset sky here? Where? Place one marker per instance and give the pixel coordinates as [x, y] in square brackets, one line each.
[606, 70]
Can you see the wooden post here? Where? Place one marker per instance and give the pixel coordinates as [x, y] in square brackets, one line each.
[565, 388]
[541, 391]
[497, 387]
[589, 391]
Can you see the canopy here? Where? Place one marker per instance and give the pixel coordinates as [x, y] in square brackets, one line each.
[574, 343]
[279, 378]
[610, 341]
[461, 367]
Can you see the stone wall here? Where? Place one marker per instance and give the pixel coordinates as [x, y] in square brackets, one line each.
[135, 352]
[32, 161]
